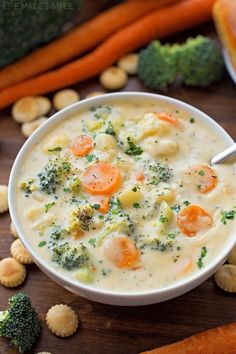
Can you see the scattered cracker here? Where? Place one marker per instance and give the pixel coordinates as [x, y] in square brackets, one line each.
[13, 230]
[225, 278]
[12, 273]
[129, 63]
[62, 320]
[25, 109]
[232, 256]
[29, 128]
[19, 252]
[3, 198]
[65, 98]
[113, 78]
[44, 105]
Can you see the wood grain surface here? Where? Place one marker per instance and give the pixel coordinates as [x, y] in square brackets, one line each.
[115, 330]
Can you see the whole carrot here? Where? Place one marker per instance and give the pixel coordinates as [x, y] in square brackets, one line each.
[220, 340]
[160, 23]
[77, 41]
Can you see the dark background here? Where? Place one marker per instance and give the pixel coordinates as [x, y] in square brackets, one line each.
[108, 329]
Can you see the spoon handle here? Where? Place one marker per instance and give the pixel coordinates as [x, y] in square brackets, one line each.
[231, 151]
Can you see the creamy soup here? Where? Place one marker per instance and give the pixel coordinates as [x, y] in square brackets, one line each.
[122, 196]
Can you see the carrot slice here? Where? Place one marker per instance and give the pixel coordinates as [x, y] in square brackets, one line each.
[82, 145]
[220, 340]
[101, 178]
[168, 118]
[203, 178]
[193, 219]
[121, 251]
[102, 201]
[140, 177]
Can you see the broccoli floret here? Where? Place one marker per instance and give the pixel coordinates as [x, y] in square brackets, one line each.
[28, 187]
[20, 323]
[70, 257]
[158, 65]
[81, 219]
[25, 24]
[159, 171]
[200, 62]
[53, 174]
[118, 220]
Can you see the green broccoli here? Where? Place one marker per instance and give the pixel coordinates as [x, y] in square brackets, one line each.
[159, 171]
[25, 24]
[53, 174]
[70, 257]
[118, 220]
[200, 62]
[20, 322]
[158, 65]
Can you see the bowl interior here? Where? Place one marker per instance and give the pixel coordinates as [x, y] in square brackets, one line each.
[78, 107]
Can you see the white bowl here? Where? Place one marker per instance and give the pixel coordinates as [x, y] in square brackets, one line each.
[100, 295]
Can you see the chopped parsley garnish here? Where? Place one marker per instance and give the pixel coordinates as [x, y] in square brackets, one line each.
[110, 129]
[192, 120]
[202, 255]
[135, 188]
[227, 215]
[176, 208]
[172, 235]
[49, 206]
[163, 219]
[89, 157]
[136, 205]
[186, 202]
[58, 148]
[96, 206]
[42, 243]
[100, 216]
[92, 242]
[133, 149]
[201, 173]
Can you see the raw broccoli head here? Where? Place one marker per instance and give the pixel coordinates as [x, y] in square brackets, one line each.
[200, 62]
[20, 323]
[158, 65]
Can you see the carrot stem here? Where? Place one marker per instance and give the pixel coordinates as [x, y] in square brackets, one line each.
[77, 41]
[158, 24]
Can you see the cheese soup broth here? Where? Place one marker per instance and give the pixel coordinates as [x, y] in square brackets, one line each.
[122, 196]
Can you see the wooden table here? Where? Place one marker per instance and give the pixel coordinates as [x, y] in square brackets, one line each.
[116, 330]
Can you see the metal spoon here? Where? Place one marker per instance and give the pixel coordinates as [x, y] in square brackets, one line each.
[226, 154]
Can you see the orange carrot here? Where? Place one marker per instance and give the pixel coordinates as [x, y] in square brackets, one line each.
[168, 118]
[140, 177]
[121, 251]
[220, 340]
[102, 201]
[82, 145]
[77, 41]
[101, 178]
[193, 219]
[203, 178]
[160, 23]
